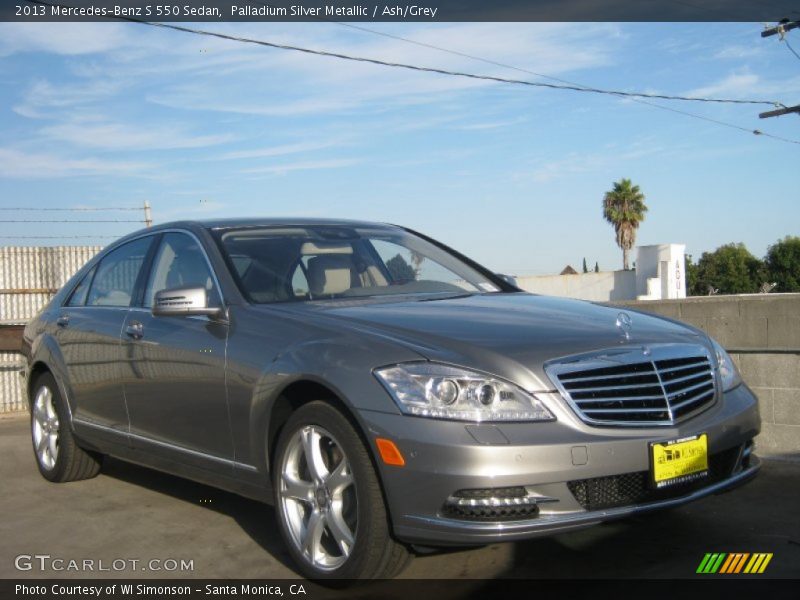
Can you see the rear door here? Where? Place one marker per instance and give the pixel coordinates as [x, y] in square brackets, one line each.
[89, 327]
[175, 386]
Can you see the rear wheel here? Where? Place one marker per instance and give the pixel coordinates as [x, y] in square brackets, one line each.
[328, 499]
[58, 457]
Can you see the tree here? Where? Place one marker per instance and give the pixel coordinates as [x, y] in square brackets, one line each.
[400, 270]
[585, 268]
[731, 269]
[692, 288]
[416, 262]
[624, 208]
[596, 267]
[783, 264]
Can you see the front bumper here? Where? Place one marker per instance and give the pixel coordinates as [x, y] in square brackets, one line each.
[445, 456]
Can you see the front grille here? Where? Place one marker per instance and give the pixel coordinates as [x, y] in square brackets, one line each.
[634, 488]
[646, 386]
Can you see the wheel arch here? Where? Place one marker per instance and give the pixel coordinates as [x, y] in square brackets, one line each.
[295, 394]
[46, 357]
[303, 391]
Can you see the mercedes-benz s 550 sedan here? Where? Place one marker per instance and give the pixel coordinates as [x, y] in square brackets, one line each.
[383, 391]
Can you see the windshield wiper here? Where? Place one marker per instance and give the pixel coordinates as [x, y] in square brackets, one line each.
[450, 297]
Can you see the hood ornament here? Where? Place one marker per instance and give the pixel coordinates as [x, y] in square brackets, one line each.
[624, 324]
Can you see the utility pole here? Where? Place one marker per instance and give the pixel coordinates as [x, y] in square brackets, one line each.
[780, 29]
[148, 215]
[780, 111]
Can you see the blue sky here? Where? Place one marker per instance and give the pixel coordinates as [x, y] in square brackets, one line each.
[112, 114]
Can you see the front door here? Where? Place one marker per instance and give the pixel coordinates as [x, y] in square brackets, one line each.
[175, 380]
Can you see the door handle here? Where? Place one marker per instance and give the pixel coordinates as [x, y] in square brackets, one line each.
[62, 321]
[135, 330]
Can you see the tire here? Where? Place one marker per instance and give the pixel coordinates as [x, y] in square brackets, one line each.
[330, 507]
[58, 456]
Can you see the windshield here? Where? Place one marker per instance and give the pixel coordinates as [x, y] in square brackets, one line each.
[280, 264]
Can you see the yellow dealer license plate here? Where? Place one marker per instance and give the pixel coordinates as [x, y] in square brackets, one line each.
[679, 461]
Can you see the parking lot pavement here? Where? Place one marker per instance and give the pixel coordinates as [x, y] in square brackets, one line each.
[129, 512]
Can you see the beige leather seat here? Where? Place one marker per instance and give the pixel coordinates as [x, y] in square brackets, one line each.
[331, 274]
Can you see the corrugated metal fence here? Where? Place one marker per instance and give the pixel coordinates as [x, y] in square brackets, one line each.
[29, 276]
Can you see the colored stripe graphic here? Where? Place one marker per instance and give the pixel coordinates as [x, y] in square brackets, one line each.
[734, 563]
[758, 563]
[711, 562]
[729, 562]
[741, 562]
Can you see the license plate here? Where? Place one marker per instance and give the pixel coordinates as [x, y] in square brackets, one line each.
[679, 461]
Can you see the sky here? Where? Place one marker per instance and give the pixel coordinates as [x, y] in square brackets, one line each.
[116, 114]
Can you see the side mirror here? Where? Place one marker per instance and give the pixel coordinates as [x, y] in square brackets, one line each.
[508, 279]
[183, 302]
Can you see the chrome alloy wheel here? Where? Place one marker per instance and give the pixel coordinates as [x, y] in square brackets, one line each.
[45, 428]
[318, 498]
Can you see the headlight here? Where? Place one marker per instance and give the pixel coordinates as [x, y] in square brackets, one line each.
[445, 392]
[727, 370]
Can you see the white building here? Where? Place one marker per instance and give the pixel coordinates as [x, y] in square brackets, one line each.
[660, 274]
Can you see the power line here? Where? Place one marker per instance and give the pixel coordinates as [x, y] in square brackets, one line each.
[792, 50]
[566, 81]
[81, 209]
[724, 123]
[411, 67]
[70, 221]
[58, 237]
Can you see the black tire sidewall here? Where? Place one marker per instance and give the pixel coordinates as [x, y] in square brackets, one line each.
[57, 472]
[371, 517]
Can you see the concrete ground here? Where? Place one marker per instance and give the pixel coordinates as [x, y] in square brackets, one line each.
[129, 512]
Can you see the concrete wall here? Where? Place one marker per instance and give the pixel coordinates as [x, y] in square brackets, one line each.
[762, 333]
[597, 287]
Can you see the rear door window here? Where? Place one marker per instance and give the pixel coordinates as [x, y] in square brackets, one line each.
[117, 273]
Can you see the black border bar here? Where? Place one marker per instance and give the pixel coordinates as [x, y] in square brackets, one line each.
[405, 10]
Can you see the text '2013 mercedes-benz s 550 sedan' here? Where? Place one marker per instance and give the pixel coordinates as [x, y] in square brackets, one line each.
[380, 389]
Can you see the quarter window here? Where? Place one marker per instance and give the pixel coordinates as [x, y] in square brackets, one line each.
[117, 273]
[78, 296]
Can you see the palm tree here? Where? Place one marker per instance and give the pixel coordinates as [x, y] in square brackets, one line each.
[624, 208]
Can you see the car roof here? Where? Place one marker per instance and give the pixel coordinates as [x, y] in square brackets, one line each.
[237, 223]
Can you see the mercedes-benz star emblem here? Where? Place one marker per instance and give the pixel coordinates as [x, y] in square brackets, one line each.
[624, 324]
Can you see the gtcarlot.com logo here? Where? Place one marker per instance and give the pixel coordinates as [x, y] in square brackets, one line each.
[45, 562]
[734, 563]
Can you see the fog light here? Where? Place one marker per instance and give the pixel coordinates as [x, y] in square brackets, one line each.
[507, 492]
[492, 504]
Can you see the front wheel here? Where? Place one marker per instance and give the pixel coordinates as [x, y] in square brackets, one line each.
[328, 499]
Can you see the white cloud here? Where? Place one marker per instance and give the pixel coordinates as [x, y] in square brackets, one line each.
[735, 84]
[28, 165]
[281, 150]
[337, 163]
[328, 85]
[45, 100]
[119, 136]
[738, 52]
[588, 162]
[490, 125]
[61, 38]
[747, 85]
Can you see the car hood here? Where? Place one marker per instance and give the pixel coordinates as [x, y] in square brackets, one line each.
[510, 335]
